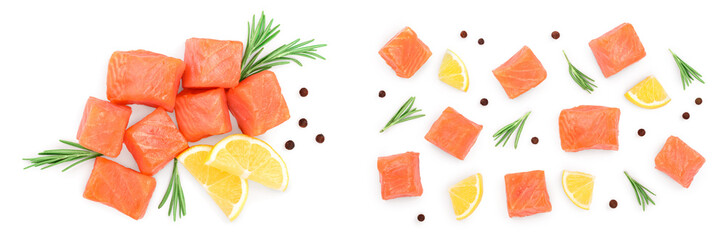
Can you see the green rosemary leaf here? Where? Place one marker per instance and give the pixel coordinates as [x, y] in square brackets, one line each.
[54, 157]
[505, 133]
[581, 79]
[643, 199]
[177, 205]
[259, 34]
[687, 72]
[404, 114]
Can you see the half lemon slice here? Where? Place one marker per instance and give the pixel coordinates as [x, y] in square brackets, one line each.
[466, 195]
[578, 186]
[648, 93]
[229, 192]
[453, 72]
[250, 158]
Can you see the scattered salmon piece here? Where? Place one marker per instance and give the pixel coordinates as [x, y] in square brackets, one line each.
[258, 104]
[679, 161]
[520, 73]
[202, 113]
[102, 127]
[617, 49]
[120, 187]
[212, 63]
[400, 175]
[154, 141]
[589, 127]
[453, 133]
[405, 53]
[143, 77]
[526, 193]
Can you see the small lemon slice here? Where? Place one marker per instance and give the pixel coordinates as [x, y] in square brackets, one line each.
[229, 192]
[250, 158]
[648, 93]
[466, 195]
[578, 186]
[453, 72]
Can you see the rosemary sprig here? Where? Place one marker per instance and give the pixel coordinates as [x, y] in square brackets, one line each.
[687, 73]
[643, 198]
[177, 206]
[503, 134]
[405, 113]
[259, 33]
[54, 157]
[581, 79]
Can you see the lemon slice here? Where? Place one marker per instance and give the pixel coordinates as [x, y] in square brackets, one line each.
[648, 93]
[229, 192]
[250, 158]
[466, 195]
[578, 186]
[453, 72]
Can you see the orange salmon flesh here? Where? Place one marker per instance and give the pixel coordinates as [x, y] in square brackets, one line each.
[679, 161]
[522, 72]
[453, 133]
[143, 77]
[617, 49]
[102, 127]
[154, 141]
[212, 63]
[589, 127]
[119, 187]
[202, 113]
[526, 193]
[405, 53]
[400, 176]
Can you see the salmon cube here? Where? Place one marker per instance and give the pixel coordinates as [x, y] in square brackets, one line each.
[212, 63]
[679, 161]
[258, 104]
[520, 73]
[202, 113]
[589, 127]
[453, 133]
[617, 49]
[102, 126]
[405, 53]
[143, 77]
[526, 193]
[400, 176]
[120, 187]
[154, 141]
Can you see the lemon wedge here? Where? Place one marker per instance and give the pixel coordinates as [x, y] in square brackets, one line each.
[578, 186]
[250, 158]
[229, 192]
[453, 72]
[648, 93]
[466, 195]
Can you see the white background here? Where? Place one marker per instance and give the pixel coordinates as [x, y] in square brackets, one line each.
[54, 54]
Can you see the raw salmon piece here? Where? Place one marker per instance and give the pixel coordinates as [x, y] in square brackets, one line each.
[102, 126]
[400, 176]
[212, 63]
[120, 187]
[154, 141]
[258, 104]
[589, 127]
[526, 193]
[202, 113]
[453, 133]
[143, 77]
[617, 49]
[405, 53]
[679, 161]
[520, 73]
